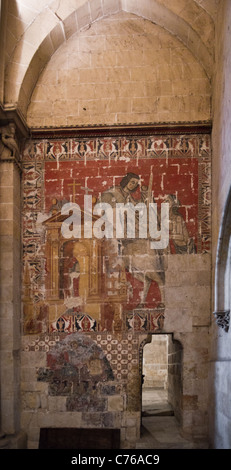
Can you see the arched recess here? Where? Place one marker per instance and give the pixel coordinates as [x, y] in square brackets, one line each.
[58, 22]
[223, 269]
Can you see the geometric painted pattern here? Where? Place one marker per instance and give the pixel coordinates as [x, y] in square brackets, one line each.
[122, 352]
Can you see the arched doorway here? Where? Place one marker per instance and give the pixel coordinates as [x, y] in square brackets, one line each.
[162, 376]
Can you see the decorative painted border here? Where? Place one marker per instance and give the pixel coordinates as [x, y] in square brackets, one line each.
[115, 148]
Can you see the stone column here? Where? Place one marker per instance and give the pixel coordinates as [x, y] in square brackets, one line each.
[10, 289]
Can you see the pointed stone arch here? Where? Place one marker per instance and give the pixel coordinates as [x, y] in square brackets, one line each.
[56, 23]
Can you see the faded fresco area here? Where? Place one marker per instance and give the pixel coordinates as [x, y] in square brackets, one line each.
[98, 285]
[89, 303]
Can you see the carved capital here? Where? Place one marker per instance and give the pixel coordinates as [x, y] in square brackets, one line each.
[9, 147]
[223, 319]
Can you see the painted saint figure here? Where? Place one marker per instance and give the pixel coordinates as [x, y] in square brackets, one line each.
[123, 192]
[146, 264]
[74, 273]
[179, 235]
[70, 271]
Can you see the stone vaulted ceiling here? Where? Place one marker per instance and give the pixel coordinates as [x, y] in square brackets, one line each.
[35, 30]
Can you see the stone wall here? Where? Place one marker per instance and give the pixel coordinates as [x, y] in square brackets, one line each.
[155, 363]
[123, 69]
[175, 383]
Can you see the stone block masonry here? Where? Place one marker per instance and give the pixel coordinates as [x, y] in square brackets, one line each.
[123, 69]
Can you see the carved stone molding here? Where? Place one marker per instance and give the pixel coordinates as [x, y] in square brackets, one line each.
[177, 128]
[13, 115]
[13, 132]
[223, 319]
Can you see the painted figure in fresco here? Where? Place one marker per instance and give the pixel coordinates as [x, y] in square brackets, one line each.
[123, 192]
[179, 235]
[70, 271]
[147, 265]
[74, 273]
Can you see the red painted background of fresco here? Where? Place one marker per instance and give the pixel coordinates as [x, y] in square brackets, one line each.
[173, 176]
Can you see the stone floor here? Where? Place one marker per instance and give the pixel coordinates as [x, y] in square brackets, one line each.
[160, 429]
[155, 402]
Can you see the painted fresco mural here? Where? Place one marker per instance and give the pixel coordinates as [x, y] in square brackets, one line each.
[97, 290]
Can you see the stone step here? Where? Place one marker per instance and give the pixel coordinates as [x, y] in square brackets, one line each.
[158, 412]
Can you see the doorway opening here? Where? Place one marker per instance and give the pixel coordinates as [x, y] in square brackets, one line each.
[161, 377]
